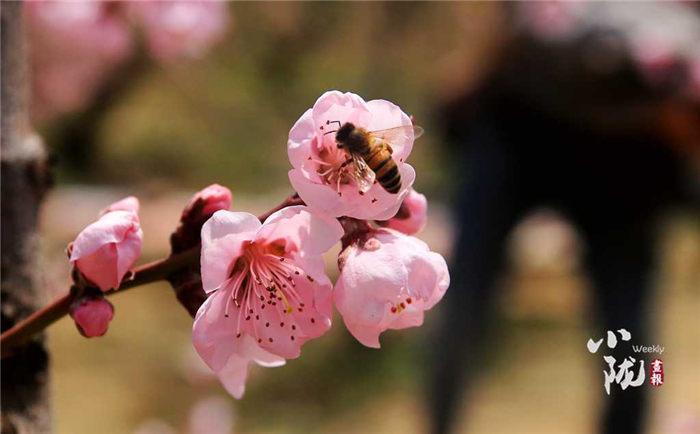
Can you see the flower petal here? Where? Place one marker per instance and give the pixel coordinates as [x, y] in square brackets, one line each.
[366, 335]
[224, 223]
[100, 267]
[223, 236]
[336, 106]
[128, 251]
[386, 114]
[233, 375]
[417, 206]
[300, 137]
[130, 203]
[110, 228]
[407, 319]
[318, 196]
[214, 333]
[311, 233]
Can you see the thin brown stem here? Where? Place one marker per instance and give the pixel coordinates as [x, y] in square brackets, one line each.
[148, 273]
[291, 200]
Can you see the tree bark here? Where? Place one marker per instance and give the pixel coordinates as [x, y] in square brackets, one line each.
[25, 179]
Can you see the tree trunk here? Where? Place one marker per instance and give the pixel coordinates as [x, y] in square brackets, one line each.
[25, 178]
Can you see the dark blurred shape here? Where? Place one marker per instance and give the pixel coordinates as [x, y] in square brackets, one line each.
[571, 118]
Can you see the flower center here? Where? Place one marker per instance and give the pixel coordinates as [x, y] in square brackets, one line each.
[333, 167]
[265, 276]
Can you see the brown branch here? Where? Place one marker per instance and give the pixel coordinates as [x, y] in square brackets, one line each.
[155, 271]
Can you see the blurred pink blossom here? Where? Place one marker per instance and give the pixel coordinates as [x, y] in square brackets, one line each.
[211, 415]
[412, 216]
[694, 76]
[105, 250]
[655, 57]
[551, 18]
[78, 45]
[75, 45]
[269, 290]
[92, 315]
[318, 175]
[387, 281]
[182, 28]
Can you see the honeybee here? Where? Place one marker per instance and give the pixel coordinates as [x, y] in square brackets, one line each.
[370, 152]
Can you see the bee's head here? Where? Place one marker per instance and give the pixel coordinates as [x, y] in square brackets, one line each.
[344, 132]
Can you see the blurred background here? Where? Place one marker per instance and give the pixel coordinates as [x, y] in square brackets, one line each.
[160, 99]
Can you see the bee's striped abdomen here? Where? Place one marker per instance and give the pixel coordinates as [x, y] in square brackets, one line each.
[385, 169]
[391, 178]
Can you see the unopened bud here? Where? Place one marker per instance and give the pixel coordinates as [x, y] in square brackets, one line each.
[412, 215]
[207, 202]
[200, 208]
[92, 314]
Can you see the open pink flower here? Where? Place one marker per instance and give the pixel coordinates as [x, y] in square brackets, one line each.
[176, 29]
[319, 176]
[387, 281]
[105, 250]
[92, 315]
[269, 290]
[412, 216]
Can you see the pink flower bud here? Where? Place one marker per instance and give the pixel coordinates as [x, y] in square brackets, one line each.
[201, 207]
[412, 216]
[387, 281]
[92, 315]
[130, 203]
[208, 201]
[105, 250]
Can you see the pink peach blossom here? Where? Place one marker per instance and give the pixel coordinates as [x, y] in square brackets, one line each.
[92, 315]
[412, 216]
[269, 291]
[75, 46]
[387, 281]
[176, 29]
[655, 58]
[318, 175]
[105, 250]
[213, 198]
[551, 19]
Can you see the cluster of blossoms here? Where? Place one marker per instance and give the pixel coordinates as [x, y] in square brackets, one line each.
[267, 291]
[76, 45]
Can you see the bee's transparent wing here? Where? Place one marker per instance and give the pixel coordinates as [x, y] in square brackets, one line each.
[398, 135]
[362, 174]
